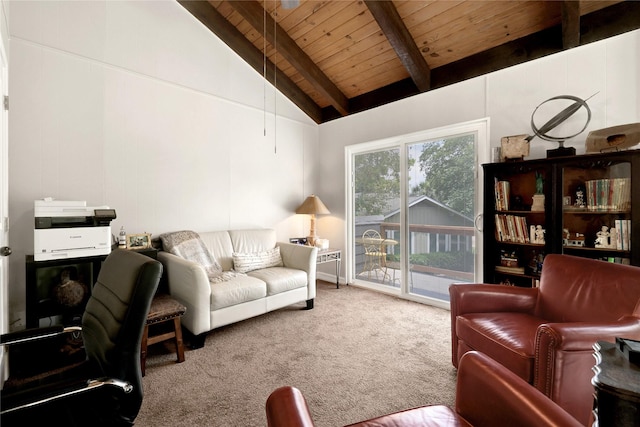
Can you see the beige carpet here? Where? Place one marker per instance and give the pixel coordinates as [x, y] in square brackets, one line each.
[356, 355]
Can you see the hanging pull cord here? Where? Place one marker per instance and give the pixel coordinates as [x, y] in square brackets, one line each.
[275, 77]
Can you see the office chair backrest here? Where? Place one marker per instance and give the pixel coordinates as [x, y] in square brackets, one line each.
[114, 320]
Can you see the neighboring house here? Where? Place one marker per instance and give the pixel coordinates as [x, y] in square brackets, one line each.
[434, 227]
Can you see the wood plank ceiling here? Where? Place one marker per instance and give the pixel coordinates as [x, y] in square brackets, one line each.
[335, 58]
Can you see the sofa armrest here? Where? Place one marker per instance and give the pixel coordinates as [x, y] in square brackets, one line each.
[189, 284]
[301, 257]
[287, 407]
[485, 298]
[487, 393]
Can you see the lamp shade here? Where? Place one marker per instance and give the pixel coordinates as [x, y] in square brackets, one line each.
[312, 205]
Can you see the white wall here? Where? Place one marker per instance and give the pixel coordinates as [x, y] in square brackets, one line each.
[136, 105]
[508, 97]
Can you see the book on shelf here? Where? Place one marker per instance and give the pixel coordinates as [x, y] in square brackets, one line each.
[511, 228]
[623, 234]
[502, 195]
[612, 194]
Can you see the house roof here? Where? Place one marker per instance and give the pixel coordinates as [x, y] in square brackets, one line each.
[394, 206]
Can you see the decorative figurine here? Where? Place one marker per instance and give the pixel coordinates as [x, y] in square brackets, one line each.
[539, 183]
[580, 197]
[539, 235]
[578, 240]
[613, 238]
[538, 198]
[602, 241]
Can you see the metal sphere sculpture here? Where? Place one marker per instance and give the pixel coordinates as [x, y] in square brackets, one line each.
[542, 132]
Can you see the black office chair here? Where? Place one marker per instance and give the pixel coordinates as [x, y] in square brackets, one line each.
[106, 388]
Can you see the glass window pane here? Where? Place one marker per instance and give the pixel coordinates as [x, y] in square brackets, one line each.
[376, 204]
[441, 186]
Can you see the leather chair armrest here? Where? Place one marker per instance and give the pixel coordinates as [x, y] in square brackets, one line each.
[564, 359]
[31, 334]
[489, 394]
[583, 335]
[287, 407]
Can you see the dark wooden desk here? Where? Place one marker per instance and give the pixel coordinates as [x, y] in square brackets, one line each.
[41, 278]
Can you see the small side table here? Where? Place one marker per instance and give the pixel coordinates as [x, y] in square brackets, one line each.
[331, 255]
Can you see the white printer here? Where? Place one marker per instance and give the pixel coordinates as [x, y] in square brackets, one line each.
[70, 229]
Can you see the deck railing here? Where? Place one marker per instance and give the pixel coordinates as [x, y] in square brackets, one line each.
[445, 237]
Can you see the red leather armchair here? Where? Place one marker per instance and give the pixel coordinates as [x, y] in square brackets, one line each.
[487, 394]
[546, 335]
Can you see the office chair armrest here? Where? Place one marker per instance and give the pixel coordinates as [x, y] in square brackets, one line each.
[23, 399]
[34, 334]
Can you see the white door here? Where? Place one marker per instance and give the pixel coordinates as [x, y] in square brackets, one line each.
[4, 212]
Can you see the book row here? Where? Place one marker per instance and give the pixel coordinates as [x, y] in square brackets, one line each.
[513, 228]
[622, 234]
[608, 194]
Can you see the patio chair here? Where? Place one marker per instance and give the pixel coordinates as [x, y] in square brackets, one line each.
[375, 259]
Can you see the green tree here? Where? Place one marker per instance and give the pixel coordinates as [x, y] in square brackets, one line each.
[377, 180]
[449, 172]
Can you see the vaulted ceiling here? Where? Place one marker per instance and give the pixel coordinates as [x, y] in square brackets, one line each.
[335, 58]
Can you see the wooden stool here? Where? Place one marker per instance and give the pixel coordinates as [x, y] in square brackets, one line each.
[163, 309]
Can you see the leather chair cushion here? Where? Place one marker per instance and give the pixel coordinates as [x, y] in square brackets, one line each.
[427, 416]
[508, 338]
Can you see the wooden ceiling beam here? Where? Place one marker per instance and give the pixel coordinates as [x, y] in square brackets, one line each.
[610, 21]
[253, 13]
[570, 24]
[216, 23]
[393, 27]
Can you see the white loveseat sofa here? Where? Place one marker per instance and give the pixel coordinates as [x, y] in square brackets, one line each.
[253, 281]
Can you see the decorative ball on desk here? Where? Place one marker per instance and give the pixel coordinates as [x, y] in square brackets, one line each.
[69, 292]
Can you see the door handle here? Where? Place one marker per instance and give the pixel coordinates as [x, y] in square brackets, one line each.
[5, 251]
[479, 222]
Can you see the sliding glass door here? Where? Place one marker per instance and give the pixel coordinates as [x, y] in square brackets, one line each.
[377, 197]
[413, 211]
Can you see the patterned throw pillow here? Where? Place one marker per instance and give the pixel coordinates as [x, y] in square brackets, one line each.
[244, 263]
[187, 244]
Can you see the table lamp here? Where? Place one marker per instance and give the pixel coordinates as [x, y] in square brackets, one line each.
[313, 206]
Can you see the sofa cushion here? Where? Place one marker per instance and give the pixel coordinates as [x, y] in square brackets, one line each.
[246, 262]
[281, 279]
[247, 241]
[237, 290]
[508, 338]
[188, 245]
[220, 246]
